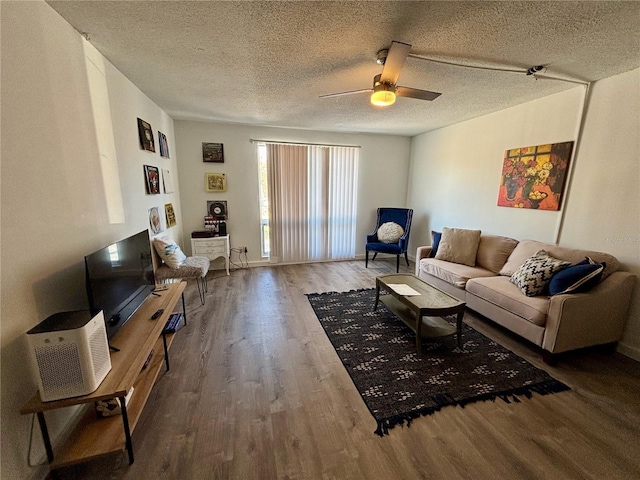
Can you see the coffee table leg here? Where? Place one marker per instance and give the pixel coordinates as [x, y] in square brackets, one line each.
[419, 333]
[375, 305]
[459, 326]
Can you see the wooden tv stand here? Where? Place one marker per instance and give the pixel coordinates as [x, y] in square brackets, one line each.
[93, 437]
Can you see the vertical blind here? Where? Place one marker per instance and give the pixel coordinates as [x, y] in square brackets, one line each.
[312, 202]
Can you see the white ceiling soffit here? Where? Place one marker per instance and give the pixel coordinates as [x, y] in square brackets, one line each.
[267, 62]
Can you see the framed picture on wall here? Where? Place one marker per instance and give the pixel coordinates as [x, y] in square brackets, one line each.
[215, 182]
[212, 152]
[146, 136]
[534, 177]
[164, 146]
[152, 177]
[170, 214]
[155, 223]
[167, 181]
[217, 209]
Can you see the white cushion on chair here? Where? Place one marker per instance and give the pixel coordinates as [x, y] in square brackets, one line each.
[390, 232]
[193, 267]
[169, 251]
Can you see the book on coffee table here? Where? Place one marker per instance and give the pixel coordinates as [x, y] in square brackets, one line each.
[403, 289]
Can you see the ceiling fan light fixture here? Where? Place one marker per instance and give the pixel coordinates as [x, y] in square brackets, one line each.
[383, 95]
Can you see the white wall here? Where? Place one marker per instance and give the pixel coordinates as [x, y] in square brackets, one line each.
[383, 170]
[603, 208]
[455, 173]
[71, 182]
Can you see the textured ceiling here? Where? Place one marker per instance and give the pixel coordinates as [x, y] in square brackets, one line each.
[266, 63]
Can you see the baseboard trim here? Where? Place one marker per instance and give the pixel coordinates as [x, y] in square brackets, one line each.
[628, 351]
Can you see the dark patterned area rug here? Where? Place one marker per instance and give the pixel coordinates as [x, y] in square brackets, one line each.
[397, 384]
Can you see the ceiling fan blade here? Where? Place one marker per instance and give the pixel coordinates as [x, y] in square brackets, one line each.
[346, 93]
[396, 57]
[415, 93]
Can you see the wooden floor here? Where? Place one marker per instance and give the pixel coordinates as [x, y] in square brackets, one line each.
[256, 391]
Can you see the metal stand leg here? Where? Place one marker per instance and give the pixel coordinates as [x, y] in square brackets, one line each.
[45, 436]
[166, 350]
[127, 432]
[201, 289]
[184, 310]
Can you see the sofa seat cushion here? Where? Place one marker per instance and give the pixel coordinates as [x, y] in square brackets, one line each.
[498, 290]
[527, 248]
[453, 273]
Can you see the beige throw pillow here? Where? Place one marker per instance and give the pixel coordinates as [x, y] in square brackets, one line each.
[458, 245]
[493, 251]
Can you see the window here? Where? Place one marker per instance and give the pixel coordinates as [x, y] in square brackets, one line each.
[308, 199]
[264, 200]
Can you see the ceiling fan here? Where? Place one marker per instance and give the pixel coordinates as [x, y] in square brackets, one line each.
[384, 89]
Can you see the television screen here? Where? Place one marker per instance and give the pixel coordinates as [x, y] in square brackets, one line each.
[119, 278]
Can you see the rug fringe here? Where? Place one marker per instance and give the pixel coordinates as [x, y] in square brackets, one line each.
[319, 294]
[542, 388]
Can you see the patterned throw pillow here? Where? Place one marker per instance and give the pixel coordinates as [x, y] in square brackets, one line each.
[169, 251]
[390, 232]
[535, 273]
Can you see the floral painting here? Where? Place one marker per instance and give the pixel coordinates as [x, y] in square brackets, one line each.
[534, 177]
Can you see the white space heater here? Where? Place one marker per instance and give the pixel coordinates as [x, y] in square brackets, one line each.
[70, 354]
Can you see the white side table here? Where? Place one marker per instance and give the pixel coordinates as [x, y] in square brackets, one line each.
[212, 248]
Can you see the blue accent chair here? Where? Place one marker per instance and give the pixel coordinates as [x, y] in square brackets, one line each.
[401, 216]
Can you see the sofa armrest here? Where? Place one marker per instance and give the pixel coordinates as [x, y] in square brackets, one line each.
[421, 252]
[596, 317]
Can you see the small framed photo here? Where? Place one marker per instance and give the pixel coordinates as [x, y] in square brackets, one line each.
[215, 182]
[217, 209]
[155, 223]
[164, 146]
[167, 181]
[170, 214]
[146, 136]
[152, 177]
[212, 152]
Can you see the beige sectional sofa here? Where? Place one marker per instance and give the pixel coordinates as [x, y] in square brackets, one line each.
[557, 323]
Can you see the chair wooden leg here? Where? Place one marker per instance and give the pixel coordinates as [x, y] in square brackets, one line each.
[375, 254]
[366, 259]
[398, 263]
[406, 257]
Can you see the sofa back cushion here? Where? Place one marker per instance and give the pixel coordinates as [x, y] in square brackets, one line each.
[493, 252]
[527, 248]
[458, 245]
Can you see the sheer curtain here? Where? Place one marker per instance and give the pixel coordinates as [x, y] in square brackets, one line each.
[312, 202]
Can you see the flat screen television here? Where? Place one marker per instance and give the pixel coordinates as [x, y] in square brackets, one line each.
[119, 278]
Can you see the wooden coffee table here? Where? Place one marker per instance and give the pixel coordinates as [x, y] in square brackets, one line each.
[421, 313]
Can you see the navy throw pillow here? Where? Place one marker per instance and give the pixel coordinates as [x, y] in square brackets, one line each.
[436, 236]
[577, 278]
